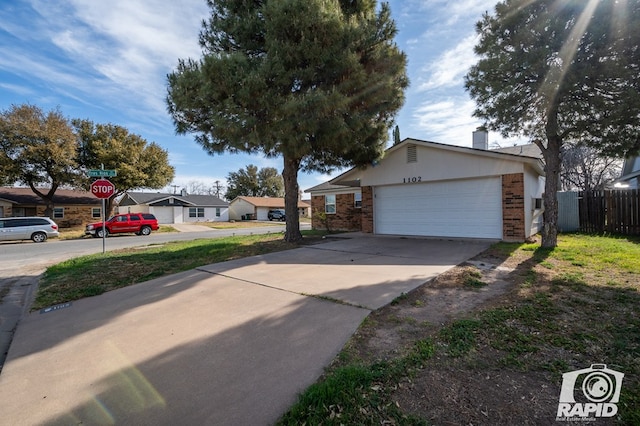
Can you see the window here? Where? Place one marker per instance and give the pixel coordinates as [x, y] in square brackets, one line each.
[358, 199]
[96, 212]
[537, 204]
[217, 211]
[196, 211]
[58, 212]
[330, 204]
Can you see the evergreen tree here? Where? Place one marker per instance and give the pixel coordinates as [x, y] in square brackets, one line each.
[396, 135]
[557, 71]
[316, 82]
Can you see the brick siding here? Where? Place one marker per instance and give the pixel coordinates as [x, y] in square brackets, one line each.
[346, 218]
[74, 215]
[367, 209]
[513, 222]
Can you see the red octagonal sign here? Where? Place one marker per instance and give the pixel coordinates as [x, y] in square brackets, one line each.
[103, 188]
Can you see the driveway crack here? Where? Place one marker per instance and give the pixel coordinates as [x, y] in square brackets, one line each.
[315, 296]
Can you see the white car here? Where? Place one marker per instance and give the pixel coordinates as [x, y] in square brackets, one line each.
[37, 229]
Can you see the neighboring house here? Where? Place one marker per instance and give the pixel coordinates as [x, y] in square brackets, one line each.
[176, 208]
[630, 173]
[431, 189]
[258, 207]
[71, 207]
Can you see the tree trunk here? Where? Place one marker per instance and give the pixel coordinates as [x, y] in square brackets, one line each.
[47, 198]
[550, 215]
[552, 182]
[108, 205]
[291, 188]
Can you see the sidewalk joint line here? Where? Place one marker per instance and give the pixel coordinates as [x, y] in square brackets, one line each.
[315, 296]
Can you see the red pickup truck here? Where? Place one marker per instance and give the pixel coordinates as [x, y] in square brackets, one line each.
[139, 223]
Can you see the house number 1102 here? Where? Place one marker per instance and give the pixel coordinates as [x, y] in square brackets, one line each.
[414, 179]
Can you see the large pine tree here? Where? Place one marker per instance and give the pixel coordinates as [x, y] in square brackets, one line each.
[316, 82]
[559, 71]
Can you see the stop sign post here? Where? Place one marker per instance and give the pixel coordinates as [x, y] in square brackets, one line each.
[103, 188]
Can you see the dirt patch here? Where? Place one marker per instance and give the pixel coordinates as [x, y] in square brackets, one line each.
[452, 395]
[473, 389]
[426, 309]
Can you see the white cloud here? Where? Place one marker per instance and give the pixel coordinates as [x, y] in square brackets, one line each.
[448, 121]
[451, 121]
[450, 67]
[448, 12]
[15, 88]
[184, 181]
[122, 49]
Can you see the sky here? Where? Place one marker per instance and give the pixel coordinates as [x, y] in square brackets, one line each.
[107, 61]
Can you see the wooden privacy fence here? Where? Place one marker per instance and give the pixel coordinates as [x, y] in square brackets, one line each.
[613, 211]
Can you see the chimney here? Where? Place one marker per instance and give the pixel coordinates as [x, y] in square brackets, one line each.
[481, 138]
[183, 192]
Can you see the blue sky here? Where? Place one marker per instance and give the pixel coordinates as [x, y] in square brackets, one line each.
[108, 61]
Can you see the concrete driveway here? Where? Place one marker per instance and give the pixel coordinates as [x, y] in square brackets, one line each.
[232, 343]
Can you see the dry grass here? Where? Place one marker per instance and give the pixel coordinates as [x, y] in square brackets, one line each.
[92, 275]
[454, 353]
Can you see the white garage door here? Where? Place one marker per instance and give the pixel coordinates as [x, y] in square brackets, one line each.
[163, 214]
[464, 208]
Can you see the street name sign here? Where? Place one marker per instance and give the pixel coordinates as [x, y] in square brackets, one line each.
[102, 173]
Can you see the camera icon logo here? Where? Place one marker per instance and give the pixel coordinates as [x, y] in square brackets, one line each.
[590, 392]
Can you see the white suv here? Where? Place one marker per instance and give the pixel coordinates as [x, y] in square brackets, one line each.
[37, 229]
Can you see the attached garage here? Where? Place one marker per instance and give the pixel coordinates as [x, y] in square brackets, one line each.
[431, 189]
[460, 208]
[163, 214]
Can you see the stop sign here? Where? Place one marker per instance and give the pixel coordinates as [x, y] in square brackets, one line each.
[103, 188]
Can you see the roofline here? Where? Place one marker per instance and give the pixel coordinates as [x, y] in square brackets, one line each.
[127, 194]
[244, 197]
[533, 161]
[629, 176]
[338, 189]
[155, 200]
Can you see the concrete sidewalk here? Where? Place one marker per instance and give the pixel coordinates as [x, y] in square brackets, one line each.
[191, 227]
[231, 343]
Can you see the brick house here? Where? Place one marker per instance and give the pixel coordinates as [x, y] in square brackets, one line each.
[430, 189]
[71, 207]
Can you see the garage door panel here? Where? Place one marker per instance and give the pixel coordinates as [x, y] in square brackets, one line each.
[163, 214]
[469, 208]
